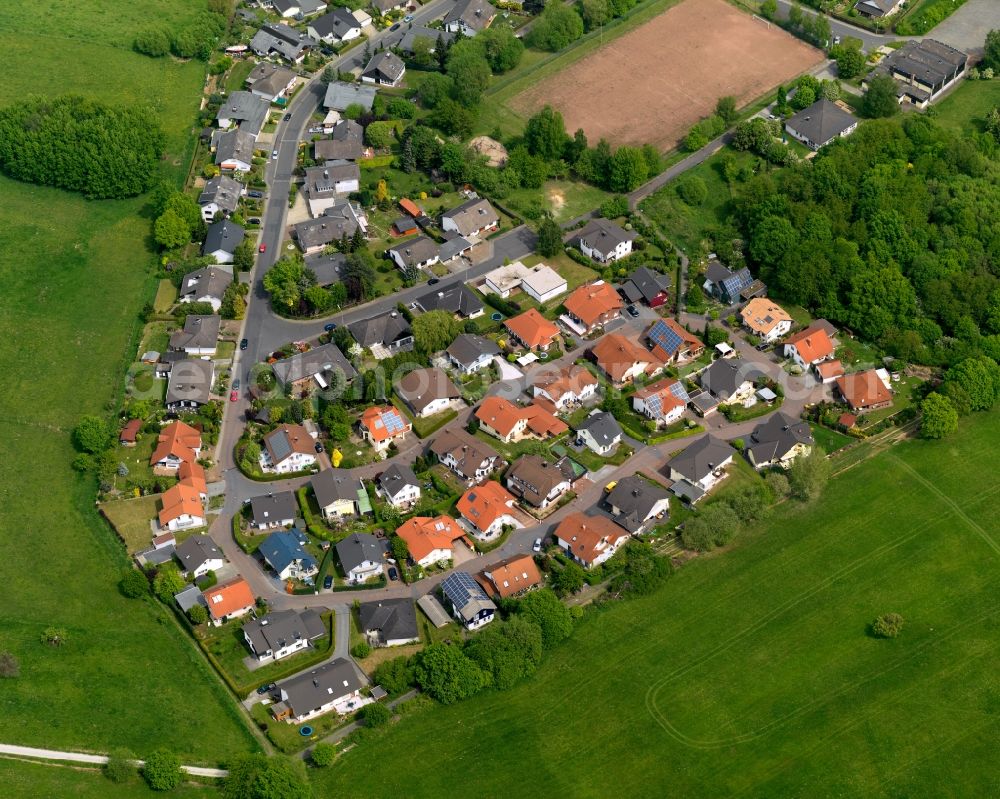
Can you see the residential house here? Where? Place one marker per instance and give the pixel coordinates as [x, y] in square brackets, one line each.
[281, 40]
[297, 8]
[467, 600]
[229, 600]
[182, 508]
[731, 287]
[540, 282]
[190, 385]
[472, 218]
[399, 486]
[234, 151]
[591, 306]
[508, 422]
[431, 35]
[645, 285]
[635, 503]
[288, 448]
[198, 555]
[177, 443]
[207, 284]
[623, 360]
[599, 432]
[731, 381]
[765, 319]
[511, 576]
[340, 220]
[488, 508]
[274, 510]
[414, 254]
[923, 69]
[532, 330]
[778, 441]
[604, 241]
[346, 143]
[339, 495]
[865, 391]
[324, 366]
[384, 69]
[538, 482]
[338, 26]
[386, 333]
[244, 109]
[221, 240]
[663, 401]
[285, 552]
[385, 6]
[282, 633]
[469, 353]
[427, 391]
[361, 557]
[382, 426]
[340, 95]
[820, 123]
[327, 184]
[589, 540]
[468, 457]
[457, 299]
[566, 386]
[389, 622]
[130, 432]
[430, 540]
[221, 195]
[828, 371]
[672, 343]
[878, 9]
[335, 685]
[809, 346]
[700, 467]
[271, 81]
[326, 267]
[199, 337]
[469, 17]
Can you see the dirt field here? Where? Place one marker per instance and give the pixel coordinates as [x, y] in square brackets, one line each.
[653, 83]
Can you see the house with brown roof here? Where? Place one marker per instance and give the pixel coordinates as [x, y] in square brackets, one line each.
[810, 345]
[828, 371]
[130, 432]
[430, 540]
[510, 576]
[178, 442]
[663, 401]
[288, 448]
[229, 600]
[428, 391]
[672, 343]
[623, 360]
[539, 482]
[566, 386]
[765, 319]
[865, 391]
[382, 425]
[468, 457]
[487, 509]
[532, 330]
[592, 306]
[590, 540]
[508, 422]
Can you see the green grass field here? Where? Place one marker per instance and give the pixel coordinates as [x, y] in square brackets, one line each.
[965, 109]
[76, 273]
[751, 673]
[28, 780]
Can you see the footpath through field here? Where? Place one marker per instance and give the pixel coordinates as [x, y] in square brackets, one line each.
[96, 760]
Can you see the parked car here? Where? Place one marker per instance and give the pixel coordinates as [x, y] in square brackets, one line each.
[234, 395]
[329, 328]
[763, 346]
[236, 384]
[537, 546]
[393, 574]
[265, 688]
[328, 581]
[262, 248]
[318, 447]
[394, 27]
[632, 311]
[257, 195]
[274, 154]
[244, 343]
[408, 18]
[287, 117]
[433, 281]
[254, 220]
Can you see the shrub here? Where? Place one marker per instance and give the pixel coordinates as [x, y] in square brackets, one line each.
[361, 650]
[323, 755]
[888, 625]
[198, 614]
[133, 584]
[693, 190]
[119, 767]
[376, 715]
[162, 770]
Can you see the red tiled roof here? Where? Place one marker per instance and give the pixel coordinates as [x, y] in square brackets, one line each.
[229, 597]
[812, 344]
[482, 505]
[827, 369]
[377, 419]
[178, 500]
[590, 301]
[130, 430]
[615, 354]
[532, 328]
[863, 390]
[410, 207]
[589, 536]
[193, 474]
[177, 439]
[424, 534]
[511, 576]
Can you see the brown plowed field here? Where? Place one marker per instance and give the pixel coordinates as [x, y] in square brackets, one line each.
[651, 84]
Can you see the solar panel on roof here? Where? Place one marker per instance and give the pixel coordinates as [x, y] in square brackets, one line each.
[392, 422]
[678, 390]
[281, 446]
[665, 337]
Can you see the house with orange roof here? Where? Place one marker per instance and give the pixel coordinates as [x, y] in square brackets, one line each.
[672, 343]
[229, 600]
[430, 540]
[565, 387]
[193, 474]
[503, 419]
[182, 508]
[542, 420]
[765, 319]
[288, 448]
[532, 330]
[488, 508]
[623, 360]
[663, 401]
[809, 346]
[590, 540]
[865, 391]
[177, 442]
[510, 577]
[592, 306]
[381, 425]
[828, 371]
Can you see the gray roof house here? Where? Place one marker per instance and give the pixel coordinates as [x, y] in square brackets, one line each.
[282, 633]
[325, 266]
[234, 150]
[340, 95]
[470, 353]
[470, 17]
[389, 330]
[604, 240]
[220, 194]
[635, 501]
[457, 299]
[467, 600]
[221, 240]
[453, 247]
[283, 40]
[427, 391]
[190, 384]
[207, 284]
[422, 32]
[820, 123]
[778, 441]
[647, 286]
[327, 184]
[270, 81]
[730, 379]
[346, 142]
[699, 467]
[198, 555]
[274, 510]
[332, 686]
[467, 456]
[385, 69]
[730, 287]
[341, 219]
[199, 336]
[337, 26]
[600, 432]
[325, 364]
[923, 69]
[361, 557]
[414, 253]
[876, 9]
[399, 485]
[244, 109]
[471, 218]
[389, 622]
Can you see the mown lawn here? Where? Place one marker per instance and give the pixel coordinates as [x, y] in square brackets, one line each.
[29, 780]
[966, 108]
[751, 672]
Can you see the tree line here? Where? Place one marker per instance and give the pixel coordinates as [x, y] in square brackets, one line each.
[198, 39]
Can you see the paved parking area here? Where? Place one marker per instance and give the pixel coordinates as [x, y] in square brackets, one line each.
[966, 29]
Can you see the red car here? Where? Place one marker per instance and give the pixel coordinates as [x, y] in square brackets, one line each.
[262, 248]
[234, 395]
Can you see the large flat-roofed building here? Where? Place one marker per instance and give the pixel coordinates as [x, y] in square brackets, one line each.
[924, 70]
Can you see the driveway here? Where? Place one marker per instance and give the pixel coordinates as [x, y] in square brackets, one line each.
[966, 29]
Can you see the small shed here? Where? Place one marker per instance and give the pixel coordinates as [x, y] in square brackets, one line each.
[766, 395]
[724, 350]
[434, 610]
[130, 432]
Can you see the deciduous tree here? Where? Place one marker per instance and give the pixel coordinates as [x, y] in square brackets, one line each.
[938, 416]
